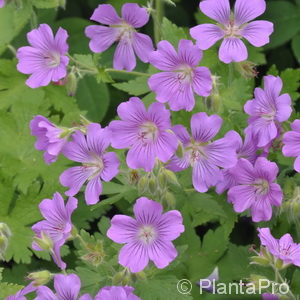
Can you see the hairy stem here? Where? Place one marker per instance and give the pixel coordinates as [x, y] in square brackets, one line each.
[159, 12]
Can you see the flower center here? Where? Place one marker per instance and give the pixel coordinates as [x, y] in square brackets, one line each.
[95, 165]
[125, 31]
[52, 59]
[262, 187]
[147, 234]
[148, 132]
[232, 30]
[285, 250]
[185, 74]
[197, 151]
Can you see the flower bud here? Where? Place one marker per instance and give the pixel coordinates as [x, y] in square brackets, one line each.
[259, 260]
[122, 278]
[247, 69]
[170, 176]
[40, 278]
[95, 253]
[44, 242]
[71, 84]
[170, 199]
[152, 185]
[5, 235]
[4, 230]
[143, 184]
[162, 179]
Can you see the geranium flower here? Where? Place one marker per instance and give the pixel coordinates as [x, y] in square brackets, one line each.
[46, 58]
[121, 30]
[57, 225]
[256, 188]
[147, 237]
[49, 138]
[284, 248]
[146, 133]
[97, 164]
[116, 293]
[181, 77]
[267, 110]
[205, 156]
[232, 28]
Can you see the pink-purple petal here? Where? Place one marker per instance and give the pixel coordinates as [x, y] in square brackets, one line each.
[218, 10]
[206, 35]
[106, 14]
[258, 32]
[245, 10]
[124, 57]
[93, 190]
[232, 50]
[135, 15]
[143, 46]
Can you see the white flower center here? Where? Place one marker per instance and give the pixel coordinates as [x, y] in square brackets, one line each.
[197, 151]
[95, 165]
[185, 74]
[147, 234]
[148, 132]
[232, 30]
[52, 59]
[262, 187]
[125, 31]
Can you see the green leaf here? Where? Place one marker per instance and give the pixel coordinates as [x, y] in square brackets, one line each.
[285, 16]
[295, 282]
[135, 87]
[172, 33]
[160, 287]
[7, 289]
[12, 20]
[291, 79]
[296, 46]
[46, 3]
[93, 97]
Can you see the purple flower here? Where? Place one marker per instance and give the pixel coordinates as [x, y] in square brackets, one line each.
[232, 28]
[116, 293]
[20, 295]
[256, 189]
[57, 224]
[181, 77]
[46, 58]
[291, 141]
[148, 236]
[267, 110]
[245, 150]
[2, 3]
[146, 133]
[48, 138]
[67, 287]
[121, 30]
[96, 163]
[203, 155]
[284, 248]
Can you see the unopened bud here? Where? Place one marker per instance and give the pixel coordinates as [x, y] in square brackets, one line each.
[71, 84]
[170, 176]
[247, 69]
[4, 230]
[170, 199]
[143, 184]
[122, 278]
[162, 179]
[259, 260]
[152, 185]
[40, 278]
[95, 253]
[44, 242]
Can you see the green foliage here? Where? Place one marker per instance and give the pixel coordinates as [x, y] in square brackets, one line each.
[285, 16]
[172, 33]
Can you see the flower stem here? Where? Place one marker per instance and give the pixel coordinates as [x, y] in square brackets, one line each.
[230, 74]
[12, 49]
[159, 9]
[109, 70]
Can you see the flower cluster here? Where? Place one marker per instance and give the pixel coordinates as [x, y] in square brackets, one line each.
[226, 161]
